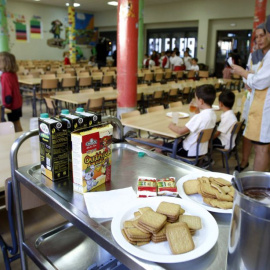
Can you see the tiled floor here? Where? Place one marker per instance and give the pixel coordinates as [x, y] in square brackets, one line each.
[42, 218]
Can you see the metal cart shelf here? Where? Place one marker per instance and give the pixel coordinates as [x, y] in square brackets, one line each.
[126, 167]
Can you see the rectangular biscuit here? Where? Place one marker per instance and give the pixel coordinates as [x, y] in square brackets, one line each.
[125, 236]
[179, 238]
[153, 220]
[171, 210]
[193, 222]
[191, 186]
[136, 233]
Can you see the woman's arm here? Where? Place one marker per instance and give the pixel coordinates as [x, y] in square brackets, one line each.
[261, 79]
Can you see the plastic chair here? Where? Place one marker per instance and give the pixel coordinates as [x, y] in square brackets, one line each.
[168, 75]
[84, 82]
[177, 104]
[227, 153]
[96, 105]
[51, 106]
[179, 75]
[203, 74]
[107, 80]
[206, 135]
[148, 77]
[69, 82]
[157, 98]
[173, 95]
[185, 94]
[6, 128]
[158, 76]
[87, 91]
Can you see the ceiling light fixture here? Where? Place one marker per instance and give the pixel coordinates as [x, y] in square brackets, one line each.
[113, 3]
[74, 4]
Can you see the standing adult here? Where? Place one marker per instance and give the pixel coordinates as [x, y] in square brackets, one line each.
[253, 64]
[102, 52]
[258, 124]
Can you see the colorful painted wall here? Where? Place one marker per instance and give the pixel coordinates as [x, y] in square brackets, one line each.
[33, 35]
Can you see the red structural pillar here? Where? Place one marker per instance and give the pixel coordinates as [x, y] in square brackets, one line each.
[259, 17]
[127, 55]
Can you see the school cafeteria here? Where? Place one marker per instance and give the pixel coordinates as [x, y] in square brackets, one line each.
[134, 134]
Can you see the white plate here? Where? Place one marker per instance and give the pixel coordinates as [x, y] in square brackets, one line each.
[204, 239]
[181, 114]
[197, 198]
[215, 107]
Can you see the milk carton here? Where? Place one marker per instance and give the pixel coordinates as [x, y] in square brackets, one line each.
[89, 118]
[53, 147]
[91, 157]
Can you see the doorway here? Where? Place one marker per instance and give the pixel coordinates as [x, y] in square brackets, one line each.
[236, 42]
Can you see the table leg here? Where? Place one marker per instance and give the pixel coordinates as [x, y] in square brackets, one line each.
[174, 150]
[34, 103]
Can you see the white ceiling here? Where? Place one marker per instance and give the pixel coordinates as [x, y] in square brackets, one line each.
[94, 5]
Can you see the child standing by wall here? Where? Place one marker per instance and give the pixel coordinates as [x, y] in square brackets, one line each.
[11, 96]
[66, 58]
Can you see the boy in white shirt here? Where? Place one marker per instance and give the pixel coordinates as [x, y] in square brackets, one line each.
[204, 119]
[228, 119]
[194, 65]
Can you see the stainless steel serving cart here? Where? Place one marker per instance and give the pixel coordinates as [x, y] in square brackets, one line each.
[84, 240]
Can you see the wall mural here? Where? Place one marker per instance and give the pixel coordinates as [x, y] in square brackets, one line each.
[20, 27]
[35, 28]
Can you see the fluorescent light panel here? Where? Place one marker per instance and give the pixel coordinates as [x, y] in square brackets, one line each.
[74, 5]
[113, 3]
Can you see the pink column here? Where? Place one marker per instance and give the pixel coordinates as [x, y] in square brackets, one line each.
[259, 17]
[127, 55]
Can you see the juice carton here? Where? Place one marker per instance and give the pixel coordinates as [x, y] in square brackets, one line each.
[89, 118]
[91, 157]
[53, 147]
[74, 122]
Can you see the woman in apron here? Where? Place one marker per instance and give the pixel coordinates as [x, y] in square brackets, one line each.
[257, 124]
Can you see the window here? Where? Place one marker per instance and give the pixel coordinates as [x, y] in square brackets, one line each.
[168, 39]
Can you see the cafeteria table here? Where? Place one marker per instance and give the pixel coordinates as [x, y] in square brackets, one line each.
[31, 85]
[158, 122]
[127, 165]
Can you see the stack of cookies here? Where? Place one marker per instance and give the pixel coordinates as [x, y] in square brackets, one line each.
[166, 223]
[216, 192]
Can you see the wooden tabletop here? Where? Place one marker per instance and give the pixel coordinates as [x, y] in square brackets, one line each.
[82, 98]
[158, 122]
[28, 154]
[31, 81]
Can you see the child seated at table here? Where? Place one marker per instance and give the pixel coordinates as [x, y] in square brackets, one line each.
[228, 119]
[204, 119]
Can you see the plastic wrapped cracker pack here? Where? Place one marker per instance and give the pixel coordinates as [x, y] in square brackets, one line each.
[167, 187]
[147, 187]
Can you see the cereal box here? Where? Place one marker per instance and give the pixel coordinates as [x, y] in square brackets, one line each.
[53, 148]
[91, 157]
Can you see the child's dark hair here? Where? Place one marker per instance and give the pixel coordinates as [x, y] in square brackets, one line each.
[207, 93]
[9, 62]
[227, 98]
[195, 59]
